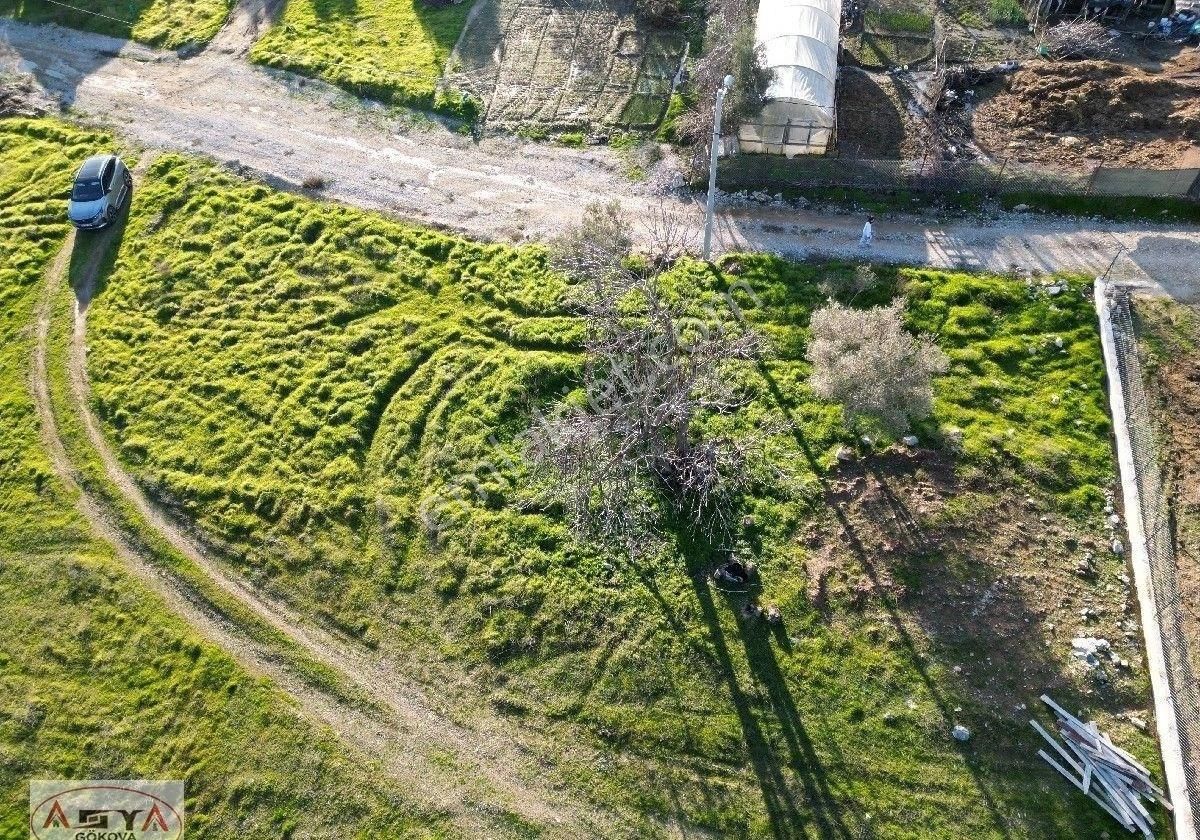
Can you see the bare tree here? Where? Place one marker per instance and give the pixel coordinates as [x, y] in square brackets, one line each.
[866, 360]
[631, 446]
[730, 48]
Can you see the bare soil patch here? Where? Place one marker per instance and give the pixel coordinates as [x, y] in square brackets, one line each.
[873, 117]
[1057, 113]
[1172, 335]
[19, 97]
[995, 581]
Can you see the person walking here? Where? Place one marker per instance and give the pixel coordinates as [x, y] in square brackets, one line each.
[867, 233]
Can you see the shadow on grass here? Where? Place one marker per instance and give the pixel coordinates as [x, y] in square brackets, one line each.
[107, 17]
[94, 255]
[798, 767]
[998, 763]
[332, 9]
[796, 793]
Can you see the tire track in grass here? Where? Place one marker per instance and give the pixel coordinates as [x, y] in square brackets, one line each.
[482, 789]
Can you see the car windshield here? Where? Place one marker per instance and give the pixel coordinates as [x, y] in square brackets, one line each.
[87, 191]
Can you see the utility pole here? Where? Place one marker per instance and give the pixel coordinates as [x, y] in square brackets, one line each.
[712, 165]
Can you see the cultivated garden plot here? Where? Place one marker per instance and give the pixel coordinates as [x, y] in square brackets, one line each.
[97, 677]
[893, 33]
[159, 23]
[566, 63]
[338, 402]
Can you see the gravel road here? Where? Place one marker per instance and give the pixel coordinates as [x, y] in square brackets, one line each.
[280, 127]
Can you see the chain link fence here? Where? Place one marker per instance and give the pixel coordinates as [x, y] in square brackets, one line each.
[1160, 545]
[933, 175]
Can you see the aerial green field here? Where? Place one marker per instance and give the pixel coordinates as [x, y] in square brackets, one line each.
[97, 678]
[389, 50]
[337, 400]
[159, 23]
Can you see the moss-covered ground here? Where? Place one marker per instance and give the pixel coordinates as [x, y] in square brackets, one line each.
[159, 23]
[97, 678]
[390, 50]
[337, 401]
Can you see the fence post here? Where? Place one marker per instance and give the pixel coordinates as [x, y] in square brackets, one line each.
[1000, 175]
[1092, 177]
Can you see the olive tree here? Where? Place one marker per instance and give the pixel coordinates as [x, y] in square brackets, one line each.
[866, 360]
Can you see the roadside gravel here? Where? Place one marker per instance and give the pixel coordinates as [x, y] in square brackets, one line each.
[285, 129]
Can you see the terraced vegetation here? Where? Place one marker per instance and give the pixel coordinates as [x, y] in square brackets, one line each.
[894, 34]
[538, 66]
[337, 401]
[388, 50]
[159, 23]
[97, 678]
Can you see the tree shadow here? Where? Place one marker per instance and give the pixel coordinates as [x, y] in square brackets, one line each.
[443, 22]
[333, 9]
[870, 124]
[797, 795]
[1000, 626]
[118, 24]
[61, 79]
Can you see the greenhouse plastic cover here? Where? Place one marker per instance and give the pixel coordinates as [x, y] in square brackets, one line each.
[799, 41]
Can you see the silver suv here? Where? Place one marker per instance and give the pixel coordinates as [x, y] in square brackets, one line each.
[102, 187]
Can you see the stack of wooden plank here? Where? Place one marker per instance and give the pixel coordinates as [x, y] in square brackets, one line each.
[1105, 772]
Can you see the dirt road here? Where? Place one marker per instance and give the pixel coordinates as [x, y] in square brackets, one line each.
[276, 125]
[406, 735]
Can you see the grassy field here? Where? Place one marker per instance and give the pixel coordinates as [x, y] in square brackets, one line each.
[98, 679]
[389, 50]
[159, 23]
[337, 400]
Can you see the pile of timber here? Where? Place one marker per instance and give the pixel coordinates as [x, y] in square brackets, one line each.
[1105, 772]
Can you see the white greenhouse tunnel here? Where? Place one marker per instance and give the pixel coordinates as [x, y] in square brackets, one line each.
[799, 43]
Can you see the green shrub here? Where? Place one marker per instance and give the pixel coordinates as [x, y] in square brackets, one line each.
[458, 104]
[1007, 12]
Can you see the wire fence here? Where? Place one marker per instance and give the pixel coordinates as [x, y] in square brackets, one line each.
[1160, 544]
[934, 175]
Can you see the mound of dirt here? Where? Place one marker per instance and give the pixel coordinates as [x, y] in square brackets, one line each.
[1061, 111]
[20, 98]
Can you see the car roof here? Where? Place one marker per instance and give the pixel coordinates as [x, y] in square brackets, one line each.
[92, 166]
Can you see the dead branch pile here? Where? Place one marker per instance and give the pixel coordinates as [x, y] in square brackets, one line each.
[1078, 39]
[1110, 776]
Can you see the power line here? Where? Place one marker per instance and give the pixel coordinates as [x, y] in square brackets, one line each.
[90, 12]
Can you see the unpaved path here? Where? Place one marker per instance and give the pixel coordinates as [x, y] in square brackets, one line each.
[247, 20]
[272, 124]
[488, 770]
